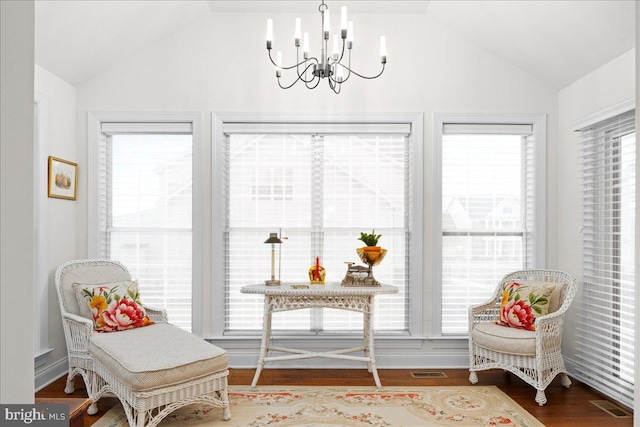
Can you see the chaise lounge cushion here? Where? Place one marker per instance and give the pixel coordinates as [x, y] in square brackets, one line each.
[504, 340]
[156, 356]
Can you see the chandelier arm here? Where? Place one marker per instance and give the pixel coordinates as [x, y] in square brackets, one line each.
[316, 79]
[304, 72]
[314, 86]
[294, 82]
[312, 59]
[332, 61]
[271, 59]
[334, 81]
[344, 41]
[334, 86]
[348, 68]
[300, 63]
[367, 77]
[295, 65]
[306, 82]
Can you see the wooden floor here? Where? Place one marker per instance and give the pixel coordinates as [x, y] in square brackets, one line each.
[565, 407]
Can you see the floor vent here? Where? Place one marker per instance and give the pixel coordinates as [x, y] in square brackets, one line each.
[422, 375]
[611, 409]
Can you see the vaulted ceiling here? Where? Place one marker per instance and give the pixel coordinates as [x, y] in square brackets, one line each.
[555, 41]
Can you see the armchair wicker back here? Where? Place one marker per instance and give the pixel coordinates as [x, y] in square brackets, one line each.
[534, 356]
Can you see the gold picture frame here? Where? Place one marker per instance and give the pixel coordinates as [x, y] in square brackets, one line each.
[63, 179]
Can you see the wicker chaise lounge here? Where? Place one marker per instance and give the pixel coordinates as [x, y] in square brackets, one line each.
[153, 370]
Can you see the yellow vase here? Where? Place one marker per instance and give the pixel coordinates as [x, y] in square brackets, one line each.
[317, 279]
[371, 255]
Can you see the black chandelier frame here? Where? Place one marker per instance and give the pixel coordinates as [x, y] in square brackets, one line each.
[326, 66]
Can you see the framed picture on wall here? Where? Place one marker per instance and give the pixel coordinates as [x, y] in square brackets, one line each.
[63, 178]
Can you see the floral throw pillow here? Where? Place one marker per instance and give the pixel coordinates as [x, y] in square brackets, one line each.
[85, 309]
[114, 307]
[522, 304]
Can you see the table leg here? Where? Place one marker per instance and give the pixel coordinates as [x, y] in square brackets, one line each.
[365, 334]
[266, 334]
[370, 345]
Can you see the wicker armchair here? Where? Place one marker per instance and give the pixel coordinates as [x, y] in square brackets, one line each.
[534, 356]
[149, 386]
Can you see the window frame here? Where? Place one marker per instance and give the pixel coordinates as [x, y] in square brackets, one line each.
[94, 131]
[220, 120]
[598, 121]
[539, 132]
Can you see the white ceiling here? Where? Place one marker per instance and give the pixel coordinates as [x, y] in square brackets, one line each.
[79, 39]
[555, 41]
[296, 6]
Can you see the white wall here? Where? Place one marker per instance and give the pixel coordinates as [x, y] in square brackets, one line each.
[636, 421]
[220, 64]
[610, 84]
[61, 214]
[16, 201]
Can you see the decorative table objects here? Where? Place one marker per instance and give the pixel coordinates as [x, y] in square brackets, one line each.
[273, 240]
[317, 273]
[371, 254]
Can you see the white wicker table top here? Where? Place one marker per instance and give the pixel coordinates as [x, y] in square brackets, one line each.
[328, 289]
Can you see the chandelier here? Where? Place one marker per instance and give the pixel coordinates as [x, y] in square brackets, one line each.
[311, 70]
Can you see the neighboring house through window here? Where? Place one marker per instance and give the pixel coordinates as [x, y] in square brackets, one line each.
[144, 194]
[488, 208]
[319, 183]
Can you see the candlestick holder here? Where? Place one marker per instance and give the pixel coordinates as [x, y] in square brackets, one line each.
[273, 240]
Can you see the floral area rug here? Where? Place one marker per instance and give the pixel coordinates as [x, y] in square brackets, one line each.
[276, 406]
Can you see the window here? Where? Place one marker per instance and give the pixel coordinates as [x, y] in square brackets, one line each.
[488, 189]
[319, 185]
[145, 209]
[606, 339]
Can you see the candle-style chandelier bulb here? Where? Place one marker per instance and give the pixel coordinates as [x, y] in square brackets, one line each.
[305, 45]
[335, 66]
[297, 32]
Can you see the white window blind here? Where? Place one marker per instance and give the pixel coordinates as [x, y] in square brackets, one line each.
[318, 128]
[145, 210]
[606, 340]
[488, 212]
[321, 190]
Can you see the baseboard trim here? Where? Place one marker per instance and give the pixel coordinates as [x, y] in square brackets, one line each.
[51, 373]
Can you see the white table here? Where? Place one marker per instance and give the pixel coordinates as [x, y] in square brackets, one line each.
[331, 295]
